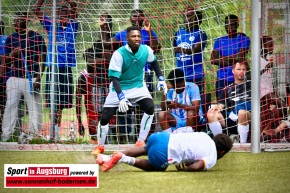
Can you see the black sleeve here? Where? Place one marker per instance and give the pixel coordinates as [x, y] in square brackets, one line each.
[221, 98]
[96, 51]
[156, 68]
[116, 84]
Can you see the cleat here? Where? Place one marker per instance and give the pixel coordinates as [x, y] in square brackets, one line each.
[97, 150]
[140, 144]
[112, 162]
[100, 160]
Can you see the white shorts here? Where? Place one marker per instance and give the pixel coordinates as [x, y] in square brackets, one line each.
[133, 95]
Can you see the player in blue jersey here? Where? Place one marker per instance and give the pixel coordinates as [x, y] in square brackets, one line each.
[26, 71]
[228, 50]
[183, 100]
[189, 43]
[3, 38]
[66, 31]
[234, 106]
[126, 70]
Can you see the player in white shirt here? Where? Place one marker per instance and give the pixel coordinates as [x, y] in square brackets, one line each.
[187, 151]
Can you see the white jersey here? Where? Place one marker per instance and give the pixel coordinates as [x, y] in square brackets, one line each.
[190, 147]
[266, 79]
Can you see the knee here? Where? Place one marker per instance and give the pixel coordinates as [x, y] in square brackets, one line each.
[242, 115]
[191, 114]
[149, 109]
[162, 115]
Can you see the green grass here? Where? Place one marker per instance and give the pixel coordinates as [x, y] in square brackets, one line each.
[236, 172]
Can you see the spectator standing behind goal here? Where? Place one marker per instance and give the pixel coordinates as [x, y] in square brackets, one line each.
[66, 32]
[93, 81]
[25, 77]
[272, 107]
[3, 71]
[187, 151]
[183, 100]
[234, 106]
[227, 50]
[126, 70]
[189, 43]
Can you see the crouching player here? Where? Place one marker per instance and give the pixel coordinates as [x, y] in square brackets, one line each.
[183, 102]
[197, 151]
[126, 69]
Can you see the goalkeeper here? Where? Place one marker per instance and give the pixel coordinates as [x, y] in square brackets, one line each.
[126, 69]
[187, 151]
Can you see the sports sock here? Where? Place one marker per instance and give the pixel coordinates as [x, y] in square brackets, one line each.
[215, 128]
[102, 133]
[243, 132]
[105, 157]
[145, 126]
[127, 160]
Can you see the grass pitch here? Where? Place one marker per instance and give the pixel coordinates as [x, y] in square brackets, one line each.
[236, 172]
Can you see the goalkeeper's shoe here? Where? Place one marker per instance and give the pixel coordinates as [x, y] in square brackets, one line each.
[140, 144]
[101, 158]
[112, 162]
[97, 150]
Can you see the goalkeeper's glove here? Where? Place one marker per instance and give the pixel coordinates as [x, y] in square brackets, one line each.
[124, 103]
[162, 84]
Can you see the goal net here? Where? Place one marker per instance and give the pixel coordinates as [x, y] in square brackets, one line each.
[194, 36]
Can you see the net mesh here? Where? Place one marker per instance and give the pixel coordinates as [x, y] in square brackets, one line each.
[165, 18]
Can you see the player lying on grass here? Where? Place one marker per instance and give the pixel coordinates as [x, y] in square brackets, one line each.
[187, 151]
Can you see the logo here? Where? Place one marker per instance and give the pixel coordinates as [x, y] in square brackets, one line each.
[191, 38]
[51, 176]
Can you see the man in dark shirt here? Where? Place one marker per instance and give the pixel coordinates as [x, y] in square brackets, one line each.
[234, 106]
[25, 77]
[93, 82]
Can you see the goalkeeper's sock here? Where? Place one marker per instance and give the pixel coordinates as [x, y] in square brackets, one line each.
[243, 132]
[127, 160]
[145, 126]
[215, 128]
[102, 133]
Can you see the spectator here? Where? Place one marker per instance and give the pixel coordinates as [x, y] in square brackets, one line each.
[126, 71]
[272, 107]
[25, 77]
[189, 43]
[66, 32]
[227, 51]
[281, 131]
[234, 106]
[93, 81]
[3, 80]
[183, 100]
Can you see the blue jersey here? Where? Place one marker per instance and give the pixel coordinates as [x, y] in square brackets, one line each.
[65, 42]
[228, 47]
[2, 52]
[32, 45]
[145, 39]
[2, 44]
[190, 64]
[190, 93]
